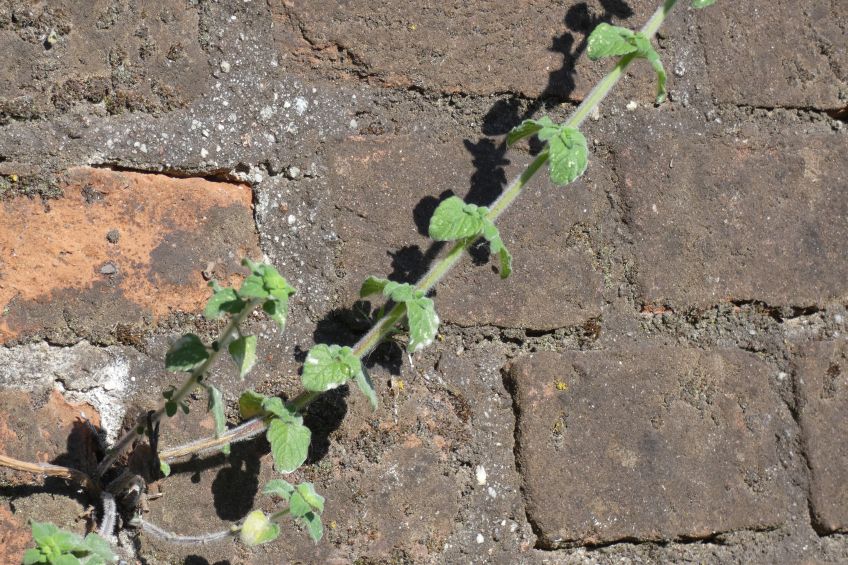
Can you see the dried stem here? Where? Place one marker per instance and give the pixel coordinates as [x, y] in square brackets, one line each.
[50, 470]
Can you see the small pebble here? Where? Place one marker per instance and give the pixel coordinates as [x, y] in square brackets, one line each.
[480, 538]
[225, 66]
[480, 473]
[293, 172]
[632, 105]
[113, 236]
[108, 269]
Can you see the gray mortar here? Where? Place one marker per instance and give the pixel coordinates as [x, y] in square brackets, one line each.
[101, 377]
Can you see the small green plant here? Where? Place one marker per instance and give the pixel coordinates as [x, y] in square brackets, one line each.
[408, 309]
[59, 547]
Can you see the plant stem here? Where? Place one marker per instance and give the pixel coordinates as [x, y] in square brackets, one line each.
[437, 272]
[179, 395]
[51, 471]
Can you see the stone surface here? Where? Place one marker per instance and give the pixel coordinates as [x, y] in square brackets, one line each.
[529, 48]
[772, 54]
[822, 380]
[62, 277]
[123, 56]
[650, 443]
[763, 218]
[554, 283]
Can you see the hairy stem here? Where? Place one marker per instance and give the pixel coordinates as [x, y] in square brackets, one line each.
[50, 470]
[179, 395]
[163, 534]
[437, 272]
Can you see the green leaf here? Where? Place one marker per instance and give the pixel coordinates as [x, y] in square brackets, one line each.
[314, 526]
[527, 128]
[164, 468]
[298, 506]
[253, 287]
[243, 352]
[99, 547]
[258, 529]
[65, 559]
[279, 487]
[423, 323]
[223, 300]
[372, 285]
[250, 404]
[701, 4]
[329, 366]
[569, 156]
[497, 247]
[312, 498]
[289, 444]
[216, 406]
[274, 405]
[646, 51]
[186, 354]
[274, 283]
[43, 532]
[170, 408]
[401, 292]
[33, 556]
[363, 381]
[610, 41]
[277, 310]
[453, 220]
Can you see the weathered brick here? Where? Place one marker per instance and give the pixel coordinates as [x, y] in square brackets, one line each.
[822, 378]
[489, 47]
[650, 443]
[127, 58]
[777, 53]
[734, 216]
[63, 276]
[378, 182]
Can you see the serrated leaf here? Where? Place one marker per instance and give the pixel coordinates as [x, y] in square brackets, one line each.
[99, 547]
[497, 247]
[452, 221]
[164, 468]
[315, 500]
[372, 285]
[569, 156]
[610, 41]
[313, 526]
[401, 292]
[526, 129]
[223, 300]
[329, 366]
[279, 487]
[170, 408]
[701, 4]
[253, 287]
[363, 381]
[250, 404]
[187, 353]
[274, 283]
[274, 405]
[654, 59]
[289, 444]
[243, 352]
[43, 532]
[277, 310]
[423, 323]
[298, 506]
[33, 556]
[216, 406]
[258, 529]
